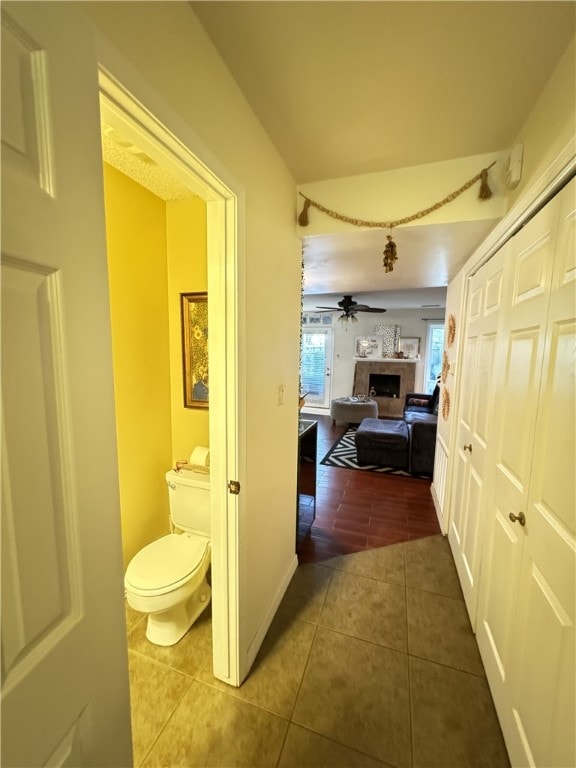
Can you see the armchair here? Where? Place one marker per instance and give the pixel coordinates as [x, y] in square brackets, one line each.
[421, 416]
[417, 402]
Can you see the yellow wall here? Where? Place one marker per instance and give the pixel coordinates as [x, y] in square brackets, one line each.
[187, 273]
[136, 237]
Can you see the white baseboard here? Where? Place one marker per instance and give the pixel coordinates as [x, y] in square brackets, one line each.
[315, 411]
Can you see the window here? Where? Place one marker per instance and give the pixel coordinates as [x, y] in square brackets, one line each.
[434, 349]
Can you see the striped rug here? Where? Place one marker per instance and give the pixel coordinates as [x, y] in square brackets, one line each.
[343, 455]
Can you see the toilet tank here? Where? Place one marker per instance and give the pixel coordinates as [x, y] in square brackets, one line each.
[189, 495]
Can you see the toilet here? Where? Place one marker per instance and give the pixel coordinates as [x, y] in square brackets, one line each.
[167, 578]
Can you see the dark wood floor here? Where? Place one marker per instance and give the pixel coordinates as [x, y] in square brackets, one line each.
[357, 510]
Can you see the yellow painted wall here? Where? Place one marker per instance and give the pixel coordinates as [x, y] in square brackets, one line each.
[136, 237]
[187, 273]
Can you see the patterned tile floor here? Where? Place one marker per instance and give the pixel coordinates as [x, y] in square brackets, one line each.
[370, 661]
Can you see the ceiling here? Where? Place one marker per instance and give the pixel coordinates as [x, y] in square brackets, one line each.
[350, 88]
[347, 88]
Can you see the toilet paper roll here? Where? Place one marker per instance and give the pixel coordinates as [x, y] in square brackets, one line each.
[200, 458]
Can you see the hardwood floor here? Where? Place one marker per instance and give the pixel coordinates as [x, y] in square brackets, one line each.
[357, 510]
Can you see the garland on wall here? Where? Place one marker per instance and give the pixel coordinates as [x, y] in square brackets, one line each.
[390, 252]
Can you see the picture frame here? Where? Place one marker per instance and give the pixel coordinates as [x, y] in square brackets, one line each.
[194, 315]
[367, 347]
[409, 346]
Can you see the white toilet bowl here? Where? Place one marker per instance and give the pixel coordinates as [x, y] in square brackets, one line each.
[167, 580]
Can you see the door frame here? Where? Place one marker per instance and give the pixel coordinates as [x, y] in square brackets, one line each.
[328, 332]
[171, 143]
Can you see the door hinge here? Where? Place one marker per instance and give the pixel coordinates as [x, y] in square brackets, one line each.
[234, 487]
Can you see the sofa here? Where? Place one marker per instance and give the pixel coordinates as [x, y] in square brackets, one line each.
[421, 417]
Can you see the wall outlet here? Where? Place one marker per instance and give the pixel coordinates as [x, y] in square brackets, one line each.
[281, 393]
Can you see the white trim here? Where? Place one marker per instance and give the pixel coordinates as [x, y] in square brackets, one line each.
[177, 149]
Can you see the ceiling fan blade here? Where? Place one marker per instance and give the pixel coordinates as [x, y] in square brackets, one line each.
[330, 309]
[370, 309]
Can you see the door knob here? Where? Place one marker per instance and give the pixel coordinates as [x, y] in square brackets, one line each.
[520, 518]
[468, 447]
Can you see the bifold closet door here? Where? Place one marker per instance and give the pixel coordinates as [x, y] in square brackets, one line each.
[486, 292]
[525, 624]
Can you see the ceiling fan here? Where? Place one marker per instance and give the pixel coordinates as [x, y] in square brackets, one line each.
[349, 307]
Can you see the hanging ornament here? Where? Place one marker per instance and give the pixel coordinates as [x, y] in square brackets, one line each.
[390, 255]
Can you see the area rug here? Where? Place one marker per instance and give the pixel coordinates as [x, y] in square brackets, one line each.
[343, 455]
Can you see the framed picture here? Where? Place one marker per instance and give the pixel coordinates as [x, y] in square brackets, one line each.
[367, 347]
[409, 345]
[194, 311]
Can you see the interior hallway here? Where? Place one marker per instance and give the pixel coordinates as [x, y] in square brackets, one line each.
[370, 661]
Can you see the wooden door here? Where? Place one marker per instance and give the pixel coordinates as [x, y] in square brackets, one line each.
[526, 611]
[65, 699]
[486, 292]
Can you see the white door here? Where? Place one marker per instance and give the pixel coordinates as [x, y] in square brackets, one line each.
[65, 699]
[527, 603]
[473, 473]
[315, 366]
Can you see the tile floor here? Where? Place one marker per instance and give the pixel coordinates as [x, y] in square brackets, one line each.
[370, 661]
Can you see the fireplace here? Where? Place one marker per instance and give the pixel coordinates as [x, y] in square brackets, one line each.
[393, 380]
[384, 385]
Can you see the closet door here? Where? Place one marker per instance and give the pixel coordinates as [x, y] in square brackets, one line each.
[543, 677]
[486, 293]
[525, 622]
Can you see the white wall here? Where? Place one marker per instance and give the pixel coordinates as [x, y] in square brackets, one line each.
[167, 47]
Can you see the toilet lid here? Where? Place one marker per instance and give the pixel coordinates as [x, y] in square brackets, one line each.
[166, 561]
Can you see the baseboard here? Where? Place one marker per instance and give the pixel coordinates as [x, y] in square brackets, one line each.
[315, 411]
[258, 638]
[438, 508]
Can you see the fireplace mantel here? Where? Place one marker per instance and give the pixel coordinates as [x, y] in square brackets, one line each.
[392, 407]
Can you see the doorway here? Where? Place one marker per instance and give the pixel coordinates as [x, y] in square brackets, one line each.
[123, 113]
[315, 366]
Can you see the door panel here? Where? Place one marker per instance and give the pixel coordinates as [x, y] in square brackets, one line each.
[518, 397]
[64, 678]
[467, 527]
[500, 564]
[38, 516]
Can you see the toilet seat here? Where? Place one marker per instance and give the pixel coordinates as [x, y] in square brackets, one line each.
[166, 564]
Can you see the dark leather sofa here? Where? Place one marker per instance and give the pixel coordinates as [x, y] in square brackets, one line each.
[421, 416]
